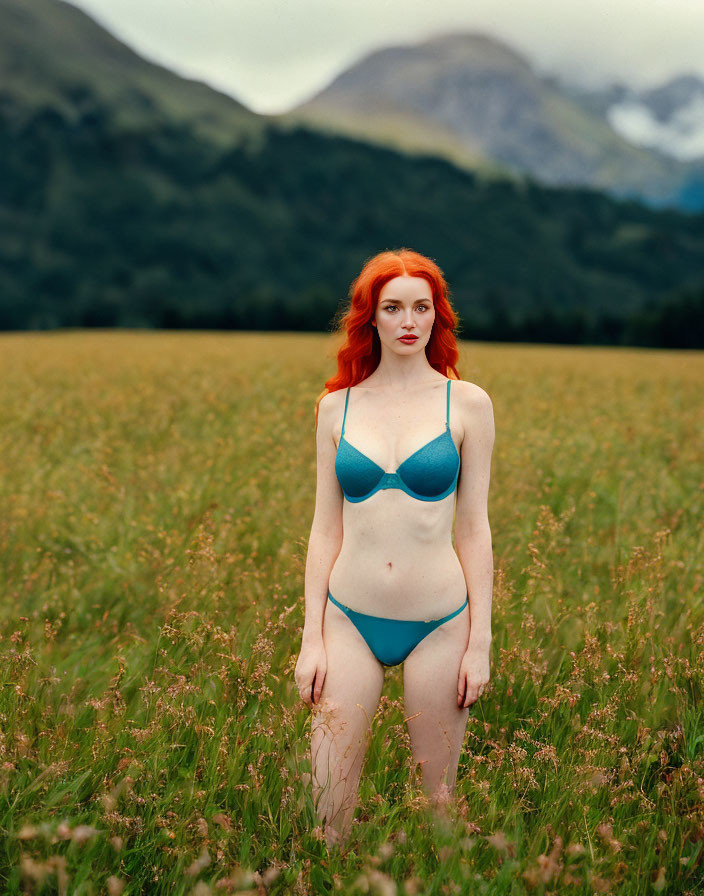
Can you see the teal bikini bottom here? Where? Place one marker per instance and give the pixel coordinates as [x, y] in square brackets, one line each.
[391, 640]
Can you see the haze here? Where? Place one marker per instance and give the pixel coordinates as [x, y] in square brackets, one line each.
[272, 55]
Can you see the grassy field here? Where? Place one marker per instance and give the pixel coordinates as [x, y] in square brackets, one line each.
[157, 492]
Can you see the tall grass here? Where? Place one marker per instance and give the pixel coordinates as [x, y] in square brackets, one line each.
[157, 491]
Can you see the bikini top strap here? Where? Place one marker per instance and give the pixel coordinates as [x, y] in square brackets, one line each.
[447, 424]
[345, 414]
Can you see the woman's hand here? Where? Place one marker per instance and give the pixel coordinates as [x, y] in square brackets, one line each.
[474, 675]
[310, 670]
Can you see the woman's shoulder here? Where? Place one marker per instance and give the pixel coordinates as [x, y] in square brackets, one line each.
[330, 405]
[475, 407]
[470, 394]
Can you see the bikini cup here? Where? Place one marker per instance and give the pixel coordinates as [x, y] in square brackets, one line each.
[429, 474]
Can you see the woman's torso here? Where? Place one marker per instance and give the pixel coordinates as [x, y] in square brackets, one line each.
[397, 557]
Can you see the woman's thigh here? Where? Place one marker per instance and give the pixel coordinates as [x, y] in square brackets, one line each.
[350, 694]
[435, 723]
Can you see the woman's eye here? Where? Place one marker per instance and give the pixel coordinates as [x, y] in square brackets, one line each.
[421, 307]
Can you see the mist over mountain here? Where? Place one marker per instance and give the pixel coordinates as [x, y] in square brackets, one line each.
[483, 105]
[669, 118]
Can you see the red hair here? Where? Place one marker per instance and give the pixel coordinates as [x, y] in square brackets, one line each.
[360, 353]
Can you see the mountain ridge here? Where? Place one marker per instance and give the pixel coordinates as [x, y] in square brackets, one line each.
[482, 104]
[140, 90]
[117, 211]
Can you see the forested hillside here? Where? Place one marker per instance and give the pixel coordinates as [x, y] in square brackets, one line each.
[166, 217]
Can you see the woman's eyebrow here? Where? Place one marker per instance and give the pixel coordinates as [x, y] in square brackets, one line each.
[400, 301]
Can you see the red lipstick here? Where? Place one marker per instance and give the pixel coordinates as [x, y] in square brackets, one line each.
[409, 340]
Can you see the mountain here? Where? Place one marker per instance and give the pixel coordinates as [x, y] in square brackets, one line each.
[54, 55]
[132, 197]
[479, 103]
[668, 118]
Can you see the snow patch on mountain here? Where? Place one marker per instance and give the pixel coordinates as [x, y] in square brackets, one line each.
[682, 136]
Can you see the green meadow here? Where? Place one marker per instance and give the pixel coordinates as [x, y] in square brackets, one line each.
[156, 496]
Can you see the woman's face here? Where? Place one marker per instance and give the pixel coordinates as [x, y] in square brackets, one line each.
[405, 309]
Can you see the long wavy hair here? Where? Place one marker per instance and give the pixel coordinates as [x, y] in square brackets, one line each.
[360, 352]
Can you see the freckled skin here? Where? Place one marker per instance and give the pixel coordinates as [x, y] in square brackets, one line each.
[409, 537]
[397, 560]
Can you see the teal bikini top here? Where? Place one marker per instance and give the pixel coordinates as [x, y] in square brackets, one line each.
[429, 474]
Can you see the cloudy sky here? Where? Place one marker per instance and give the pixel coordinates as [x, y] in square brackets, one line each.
[273, 54]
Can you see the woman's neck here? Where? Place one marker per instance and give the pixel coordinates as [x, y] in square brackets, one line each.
[402, 372]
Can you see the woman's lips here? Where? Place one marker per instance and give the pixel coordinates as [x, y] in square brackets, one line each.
[408, 339]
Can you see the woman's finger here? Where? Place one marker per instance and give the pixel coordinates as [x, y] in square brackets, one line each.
[461, 688]
[317, 687]
[473, 693]
[471, 697]
[306, 690]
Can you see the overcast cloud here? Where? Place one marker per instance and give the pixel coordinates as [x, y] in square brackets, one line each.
[273, 54]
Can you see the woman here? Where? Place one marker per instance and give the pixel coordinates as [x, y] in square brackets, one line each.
[383, 583]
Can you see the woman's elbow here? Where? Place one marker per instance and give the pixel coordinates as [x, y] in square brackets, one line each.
[326, 533]
[473, 530]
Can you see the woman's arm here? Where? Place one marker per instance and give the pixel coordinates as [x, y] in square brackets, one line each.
[473, 534]
[326, 531]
